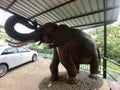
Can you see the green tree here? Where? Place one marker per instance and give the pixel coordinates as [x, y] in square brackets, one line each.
[43, 48]
[113, 41]
[3, 35]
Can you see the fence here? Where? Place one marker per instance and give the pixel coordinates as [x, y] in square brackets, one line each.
[111, 73]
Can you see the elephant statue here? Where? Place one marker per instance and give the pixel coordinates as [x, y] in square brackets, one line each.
[72, 47]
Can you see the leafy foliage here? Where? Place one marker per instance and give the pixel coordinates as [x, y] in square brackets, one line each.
[43, 48]
[3, 35]
[113, 41]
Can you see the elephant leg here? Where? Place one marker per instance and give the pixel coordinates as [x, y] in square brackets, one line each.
[77, 67]
[94, 66]
[71, 70]
[54, 66]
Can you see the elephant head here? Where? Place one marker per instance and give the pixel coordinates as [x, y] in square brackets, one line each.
[60, 36]
[55, 35]
[47, 31]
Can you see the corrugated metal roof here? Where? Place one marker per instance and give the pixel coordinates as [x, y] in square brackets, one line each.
[80, 14]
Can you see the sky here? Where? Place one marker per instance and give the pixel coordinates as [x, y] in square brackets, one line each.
[4, 15]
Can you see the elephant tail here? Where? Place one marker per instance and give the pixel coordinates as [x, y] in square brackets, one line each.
[98, 53]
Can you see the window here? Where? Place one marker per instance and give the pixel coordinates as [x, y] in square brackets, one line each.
[23, 50]
[9, 51]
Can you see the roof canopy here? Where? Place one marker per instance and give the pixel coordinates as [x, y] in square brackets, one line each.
[82, 14]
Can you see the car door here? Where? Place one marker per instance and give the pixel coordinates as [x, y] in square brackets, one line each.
[11, 56]
[24, 54]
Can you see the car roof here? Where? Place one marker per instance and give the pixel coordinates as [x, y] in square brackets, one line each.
[5, 47]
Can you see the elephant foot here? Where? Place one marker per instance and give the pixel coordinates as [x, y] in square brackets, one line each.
[54, 78]
[93, 76]
[73, 80]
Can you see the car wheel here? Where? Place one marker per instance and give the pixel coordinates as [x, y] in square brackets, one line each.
[34, 58]
[3, 69]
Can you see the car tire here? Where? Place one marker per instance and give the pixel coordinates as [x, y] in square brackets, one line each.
[34, 58]
[3, 69]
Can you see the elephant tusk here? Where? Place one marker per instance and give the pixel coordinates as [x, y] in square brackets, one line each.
[19, 44]
[15, 45]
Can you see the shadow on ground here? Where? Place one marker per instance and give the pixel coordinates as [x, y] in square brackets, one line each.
[85, 83]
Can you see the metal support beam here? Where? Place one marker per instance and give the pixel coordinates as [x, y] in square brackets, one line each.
[105, 41]
[16, 14]
[102, 23]
[52, 9]
[98, 25]
[11, 4]
[78, 16]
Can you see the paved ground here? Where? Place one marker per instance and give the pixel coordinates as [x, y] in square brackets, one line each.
[28, 76]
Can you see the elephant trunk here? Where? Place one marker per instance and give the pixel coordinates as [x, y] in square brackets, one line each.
[23, 38]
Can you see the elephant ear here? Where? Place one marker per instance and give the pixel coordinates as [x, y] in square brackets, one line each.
[62, 35]
[48, 28]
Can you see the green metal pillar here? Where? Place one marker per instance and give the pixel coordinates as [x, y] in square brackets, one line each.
[105, 41]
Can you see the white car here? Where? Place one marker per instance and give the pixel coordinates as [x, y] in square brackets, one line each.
[11, 57]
